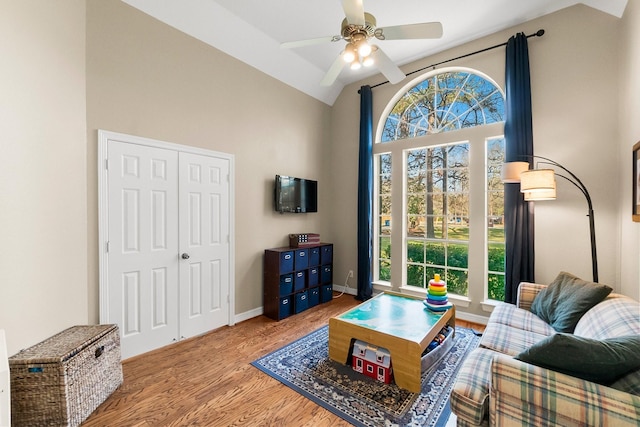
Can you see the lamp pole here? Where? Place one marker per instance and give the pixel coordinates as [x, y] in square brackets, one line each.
[592, 228]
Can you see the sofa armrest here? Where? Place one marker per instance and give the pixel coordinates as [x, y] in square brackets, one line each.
[537, 396]
[526, 293]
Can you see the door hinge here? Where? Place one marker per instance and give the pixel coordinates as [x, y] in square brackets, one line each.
[106, 164]
[107, 247]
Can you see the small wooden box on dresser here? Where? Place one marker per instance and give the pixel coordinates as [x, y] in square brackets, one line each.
[296, 279]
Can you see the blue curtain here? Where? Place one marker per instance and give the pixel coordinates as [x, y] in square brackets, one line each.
[518, 131]
[365, 195]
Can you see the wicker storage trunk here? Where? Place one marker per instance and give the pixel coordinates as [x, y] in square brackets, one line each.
[62, 380]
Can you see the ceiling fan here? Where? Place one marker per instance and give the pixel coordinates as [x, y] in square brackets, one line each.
[357, 29]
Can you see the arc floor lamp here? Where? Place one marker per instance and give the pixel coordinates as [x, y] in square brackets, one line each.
[540, 184]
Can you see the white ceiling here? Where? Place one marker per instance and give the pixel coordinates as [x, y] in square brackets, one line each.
[252, 30]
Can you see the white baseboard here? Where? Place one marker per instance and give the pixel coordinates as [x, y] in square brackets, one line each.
[260, 310]
[249, 314]
[469, 317]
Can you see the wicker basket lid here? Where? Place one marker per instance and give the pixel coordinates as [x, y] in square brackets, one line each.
[63, 345]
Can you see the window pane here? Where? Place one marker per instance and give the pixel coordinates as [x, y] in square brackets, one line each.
[415, 275]
[384, 217]
[458, 256]
[415, 251]
[457, 282]
[435, 253]
[495, 220]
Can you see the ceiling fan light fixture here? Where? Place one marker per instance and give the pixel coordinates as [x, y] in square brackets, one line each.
[364, 49]
[368, 61]
[349, 53]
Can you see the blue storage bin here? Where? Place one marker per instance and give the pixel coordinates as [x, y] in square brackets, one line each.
[302, 302]
[286, 262]
[314, 276]
[286, 307]
[326, 254]
[326, 274]
[286, 284]
[314, 256]
[314, 297]
[299, 281]
[326, 293]
[301, 259]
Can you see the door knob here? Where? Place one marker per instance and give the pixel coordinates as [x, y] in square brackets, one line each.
[185, 256]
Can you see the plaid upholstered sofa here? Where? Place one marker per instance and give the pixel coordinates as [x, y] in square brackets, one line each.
[494, 388]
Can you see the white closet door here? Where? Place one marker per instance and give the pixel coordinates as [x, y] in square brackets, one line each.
[204, 243]
[143, 245]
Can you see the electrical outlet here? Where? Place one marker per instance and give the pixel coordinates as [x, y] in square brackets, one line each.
[350, 273]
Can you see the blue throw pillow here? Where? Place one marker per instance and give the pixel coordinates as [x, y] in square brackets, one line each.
[566, 299]
[600, 361]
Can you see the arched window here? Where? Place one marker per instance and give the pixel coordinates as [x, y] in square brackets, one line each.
[439, 195]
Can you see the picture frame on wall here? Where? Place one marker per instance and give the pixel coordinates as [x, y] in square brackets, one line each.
[636, 182]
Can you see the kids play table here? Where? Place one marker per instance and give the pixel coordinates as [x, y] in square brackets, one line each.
[397, 322]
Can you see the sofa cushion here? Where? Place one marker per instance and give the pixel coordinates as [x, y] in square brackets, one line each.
[599, 323]
[469, 397]
[566, 299]
[601, 361]
[511, 330]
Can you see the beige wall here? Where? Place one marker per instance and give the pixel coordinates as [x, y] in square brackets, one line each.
[43, 199]
[575, 119]
[629, 128]
[147, 79]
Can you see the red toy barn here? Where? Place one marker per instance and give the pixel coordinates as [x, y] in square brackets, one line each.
[374, 362]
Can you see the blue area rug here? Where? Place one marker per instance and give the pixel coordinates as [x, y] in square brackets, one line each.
[304, 365]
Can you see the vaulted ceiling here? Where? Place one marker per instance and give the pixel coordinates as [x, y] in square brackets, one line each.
[252, 30]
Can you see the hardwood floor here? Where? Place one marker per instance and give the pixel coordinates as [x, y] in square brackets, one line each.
[208, 381]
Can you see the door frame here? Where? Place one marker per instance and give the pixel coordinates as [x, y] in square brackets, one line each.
[103, 203]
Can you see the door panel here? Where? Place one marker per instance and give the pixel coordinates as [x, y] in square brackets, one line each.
[204, 204]
[143, 246]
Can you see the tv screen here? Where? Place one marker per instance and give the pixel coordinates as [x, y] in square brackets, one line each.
[295, 195]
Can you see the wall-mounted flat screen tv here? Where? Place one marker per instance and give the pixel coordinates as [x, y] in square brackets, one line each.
[295, 195]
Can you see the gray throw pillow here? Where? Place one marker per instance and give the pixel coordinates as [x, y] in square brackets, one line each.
[566, 299]
[600, 361]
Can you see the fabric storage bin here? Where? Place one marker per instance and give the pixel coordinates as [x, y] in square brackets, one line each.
[286, 262]
[326, 254]
[314, 297]
[286, 284]
[314, 256]
[326, 293]
[299, 280]
[301, 259]
[325, 274]
[302, 302]
[314, 276]
[63, 379]
[286, 307]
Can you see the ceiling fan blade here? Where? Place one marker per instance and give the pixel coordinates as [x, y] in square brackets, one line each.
[386, 66]
[354, 11]
[310, 42]
[427, 30]
[333, 72]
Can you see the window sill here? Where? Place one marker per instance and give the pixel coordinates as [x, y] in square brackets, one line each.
[489, 304]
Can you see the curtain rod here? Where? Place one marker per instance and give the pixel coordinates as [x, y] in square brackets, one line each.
[538, 33]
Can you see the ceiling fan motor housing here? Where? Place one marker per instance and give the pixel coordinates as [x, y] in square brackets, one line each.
[352, 32]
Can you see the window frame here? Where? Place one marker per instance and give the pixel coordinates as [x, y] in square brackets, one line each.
[477, 138]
